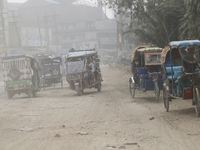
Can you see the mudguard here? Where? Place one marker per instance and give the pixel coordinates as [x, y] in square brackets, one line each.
[131, 80]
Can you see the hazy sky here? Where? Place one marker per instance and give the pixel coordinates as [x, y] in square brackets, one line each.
[16, 1]
[108, 12]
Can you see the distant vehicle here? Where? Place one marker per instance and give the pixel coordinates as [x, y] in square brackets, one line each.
[20, 74]
[63, 55]
[52, 72]
[39, 57]
[83, 70]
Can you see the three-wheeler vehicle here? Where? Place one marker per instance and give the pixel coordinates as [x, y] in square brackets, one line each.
[83, 70]
[146, 69]
[180, 62]
[63, 55]
[39, 57]
[20, 74]
[52, 72]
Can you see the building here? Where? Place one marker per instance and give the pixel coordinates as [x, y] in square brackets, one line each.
[61, 25]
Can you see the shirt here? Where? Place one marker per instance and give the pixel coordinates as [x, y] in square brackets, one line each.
[189, 67]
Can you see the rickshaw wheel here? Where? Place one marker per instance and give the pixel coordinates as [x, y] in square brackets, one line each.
[197, 102]
[166, 99]
[79, 91]
[10, 95]
[30, 93]
[157, 91]
[132, 89]
[99, 87]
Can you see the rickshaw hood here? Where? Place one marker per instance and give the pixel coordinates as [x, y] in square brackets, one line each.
[186, 43]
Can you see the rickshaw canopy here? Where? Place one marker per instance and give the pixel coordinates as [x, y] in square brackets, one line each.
[186, 43]
[81, 54]
[135, 51]
[178, 44]
[150, 50]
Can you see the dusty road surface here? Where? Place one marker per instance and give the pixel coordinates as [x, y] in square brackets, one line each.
[58, 119]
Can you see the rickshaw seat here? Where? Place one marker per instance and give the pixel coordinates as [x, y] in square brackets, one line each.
[144, 77]
[142, 70]
[176, 72]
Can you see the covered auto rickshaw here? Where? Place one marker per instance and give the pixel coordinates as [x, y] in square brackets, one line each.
[146, 69]
[20, 74]
[83, 71]
[52, 71]
[180, 62]
[39, 57]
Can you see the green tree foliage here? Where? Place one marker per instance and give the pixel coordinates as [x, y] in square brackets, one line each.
[154, 22]
[190, 23]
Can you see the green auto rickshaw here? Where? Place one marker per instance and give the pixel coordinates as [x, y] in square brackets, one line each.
[20, 75]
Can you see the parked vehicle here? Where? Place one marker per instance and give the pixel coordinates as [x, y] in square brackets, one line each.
[20, 74]
[146, 69]
[179, 62]
[83, 71]
[52, 71]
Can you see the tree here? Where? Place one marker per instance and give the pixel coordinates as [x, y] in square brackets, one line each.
[190, 23]
[151, 21]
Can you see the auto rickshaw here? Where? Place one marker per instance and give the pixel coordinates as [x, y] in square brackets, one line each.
[39, 57]
[146, 69]
[181, 83]
[20, 74]
[83, 71]
[52, 71]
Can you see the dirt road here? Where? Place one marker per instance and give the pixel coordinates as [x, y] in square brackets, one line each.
[58, 119]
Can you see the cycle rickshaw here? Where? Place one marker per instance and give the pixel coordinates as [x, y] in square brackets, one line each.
[181, 77]
[146, 69]
[83, 70]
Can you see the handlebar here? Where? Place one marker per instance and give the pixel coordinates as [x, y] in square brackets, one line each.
[191, 73]
[154, 72]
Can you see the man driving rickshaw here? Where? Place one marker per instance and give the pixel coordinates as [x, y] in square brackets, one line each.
[181, 80]
[83, 70]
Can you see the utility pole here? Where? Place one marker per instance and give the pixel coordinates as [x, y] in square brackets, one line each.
[119, 34]
[56, 32]
[119, 38]
[3, 27]
[17, 32]
[39, 32]
[46, 31]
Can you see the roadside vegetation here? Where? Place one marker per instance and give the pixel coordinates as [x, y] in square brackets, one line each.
[157, 22]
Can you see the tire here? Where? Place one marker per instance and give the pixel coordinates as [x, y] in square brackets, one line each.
[30, 93]
[14, 73]
[10, 95]
[166, 99]
[197, 102]
[157, 91]
[99, 87]
[132, 89]
[34, 93]
[79, 91]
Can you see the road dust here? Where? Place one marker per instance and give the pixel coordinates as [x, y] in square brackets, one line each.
[58, 119]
